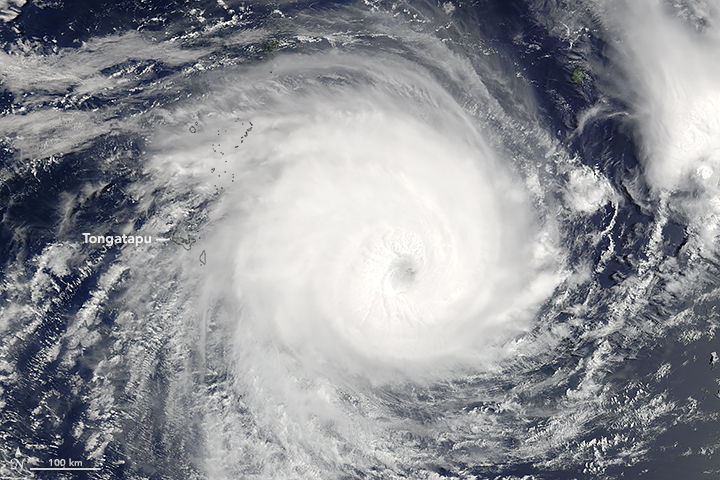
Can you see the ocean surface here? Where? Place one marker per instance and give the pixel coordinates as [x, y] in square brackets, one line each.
[359, 239]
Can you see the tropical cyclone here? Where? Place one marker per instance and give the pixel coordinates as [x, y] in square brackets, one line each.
[380, 290]
[383, 229]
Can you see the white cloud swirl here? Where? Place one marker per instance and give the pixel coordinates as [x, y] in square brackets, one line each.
[373, 224]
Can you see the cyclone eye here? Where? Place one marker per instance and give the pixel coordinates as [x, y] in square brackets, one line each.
[403, 273]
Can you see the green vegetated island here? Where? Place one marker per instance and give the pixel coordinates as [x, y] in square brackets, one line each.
[578, 75]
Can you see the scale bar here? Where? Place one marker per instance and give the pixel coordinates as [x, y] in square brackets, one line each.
[66, 468]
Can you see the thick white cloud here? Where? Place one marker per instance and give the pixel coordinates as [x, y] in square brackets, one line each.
[369, 225]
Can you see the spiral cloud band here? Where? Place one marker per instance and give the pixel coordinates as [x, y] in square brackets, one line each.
[377, 226]
[382, 240]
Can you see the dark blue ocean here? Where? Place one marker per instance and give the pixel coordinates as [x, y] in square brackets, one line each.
[418, 240]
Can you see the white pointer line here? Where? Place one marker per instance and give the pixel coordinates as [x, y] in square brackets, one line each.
[66, 468]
